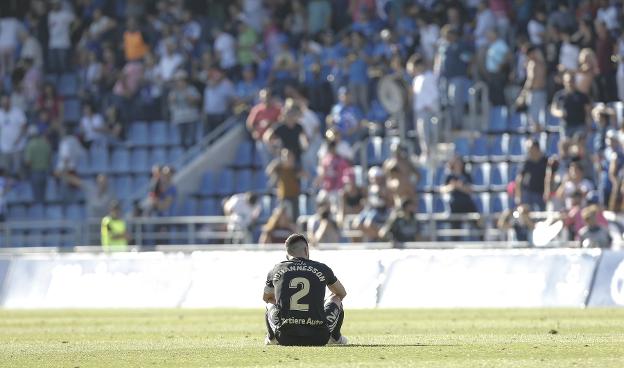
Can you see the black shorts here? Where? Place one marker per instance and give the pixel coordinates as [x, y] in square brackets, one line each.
[318, 339]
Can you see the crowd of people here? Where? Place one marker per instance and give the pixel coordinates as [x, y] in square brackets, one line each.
[307, 72]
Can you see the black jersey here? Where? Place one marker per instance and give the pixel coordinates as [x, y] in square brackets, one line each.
[299, 286]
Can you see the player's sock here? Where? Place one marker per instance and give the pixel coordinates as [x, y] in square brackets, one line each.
[336, 331]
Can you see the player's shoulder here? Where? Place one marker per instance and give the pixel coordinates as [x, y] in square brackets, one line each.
[317, 264]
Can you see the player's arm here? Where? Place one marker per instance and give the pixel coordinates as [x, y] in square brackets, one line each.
[269, 295]
[337, 290]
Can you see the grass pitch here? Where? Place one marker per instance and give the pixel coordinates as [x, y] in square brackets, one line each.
[381, 338]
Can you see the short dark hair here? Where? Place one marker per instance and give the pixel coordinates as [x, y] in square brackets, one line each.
[294, 239]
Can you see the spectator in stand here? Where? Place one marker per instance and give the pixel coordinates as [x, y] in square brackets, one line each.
[533, 93]
[247, 42]
[134, 44]
[61, 22]
[399, 157]
[356, 65]
[278, 228]
[619, 57]
[332, 173]
[572, 107]
[98, 196]
[485, 22]
[286, 175]
[425, 103]
[10, 28]
[517, 224]
[289, 133]
[219, 95]
[458, 184]
[126, 88]
[116, 128]
[399, 185]
[605, 44]
[225, 50]
[352, 201]
[343, 149]
[52, 103]
[572, 182]
[378, 205]
[497, 62]
[31, 49]
[319, 16]
[162, 199]
[573, 217]
[100, 30]
[93, 127]
[242, 211]
[184, 100]
[248, 87]
[13, 129]
[451, 65]
[594, 234]
[37, 159]
[588, 70]
[537, 27]
[530, 179]
[327, 231]
[346, 117]
[170, 62]
[261, 117]
[402, 225]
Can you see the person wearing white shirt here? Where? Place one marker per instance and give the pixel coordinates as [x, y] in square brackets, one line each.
[569, 54]
[537, 27]
[242, 211]
[425, 102]
[225, 47]
[218, 96]
[13, 128]
[486, 21]
[608, 14]
[59, 42]
[70, 151]
[31, 49]
[9, 30]
[169, 63]
[92, 125]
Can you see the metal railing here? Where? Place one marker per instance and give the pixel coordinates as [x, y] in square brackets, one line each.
[478, 106]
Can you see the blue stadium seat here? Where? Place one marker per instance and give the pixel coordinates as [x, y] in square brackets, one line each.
[22, 192]
[439, 205]
[173, 135]
[36, 212]
[498, 176]
[462, 146]
[139, 133]
[244, 181]
[34, 238]
[52, 190]
[158, 156]
[71, 110]
[424, 203]
[424, 182]
[225, 182]
[499, 147]
[139, 160]
[159, 133]
[482, 202]
[187, 208]
[517, 149]
[498, 202]
[244, 154]
[120, 160]
[53, 212]
[75, 212]
[210, 207]
[498, 119]
[552, 123]
[208, 184]
[439, 176]
[518, 123]
[175, 153]
[18, 212]
[480, 176]
[552, 144]
[513, 170]
[479, 149]
[68, 84]
[261, 181]
[123, 187]
[98, 159]
[373, 151]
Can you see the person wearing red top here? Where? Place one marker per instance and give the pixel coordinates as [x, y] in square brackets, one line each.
[333, 173]
[261, 117]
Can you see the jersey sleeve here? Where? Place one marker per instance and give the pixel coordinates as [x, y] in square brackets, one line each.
[268, 285]
[330, 278]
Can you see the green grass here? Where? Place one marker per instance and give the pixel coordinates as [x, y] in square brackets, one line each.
[383, 338]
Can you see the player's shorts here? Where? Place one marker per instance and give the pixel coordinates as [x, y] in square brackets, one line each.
[319, 337]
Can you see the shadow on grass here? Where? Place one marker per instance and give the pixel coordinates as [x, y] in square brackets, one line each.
[386, 345]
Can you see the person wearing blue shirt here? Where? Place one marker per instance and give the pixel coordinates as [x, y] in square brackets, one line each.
[248, 87]
[346, 117]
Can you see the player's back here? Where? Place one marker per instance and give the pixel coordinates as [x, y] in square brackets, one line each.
[300, 292]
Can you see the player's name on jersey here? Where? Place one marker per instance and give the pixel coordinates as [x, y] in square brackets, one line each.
[295, 268]
[301, 321]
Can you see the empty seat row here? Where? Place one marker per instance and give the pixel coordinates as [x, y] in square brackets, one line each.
[156, 133]
[229, 181]
[122, 159]
[486, 203]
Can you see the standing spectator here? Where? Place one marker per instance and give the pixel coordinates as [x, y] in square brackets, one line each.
[485, 22]
[170, 62]
[184, 100]
[13, 129]
[247, 41]
[278, 228]
[458, 184]
[162, 198]
[286, 175]
[572, 107]
[399, 157]
[568, 53]
[332, 173]
[534, 89]
[530, 179]
[357, 72]
[134, 45]
[31, 49]
[289, 133]
[594, 235]
[98, 196]
[425, 104]
[218, 97]
[37, 158]
[343, 149]
[346, 117]
[429, 37]
[402, 226]
[327, 231]
[607, 88]
[574, 181]
[588, 70]
[319, 16]
[60, 24]
[225, 50]
[261, 117]
[52, 103]
[378, 204]
[451, 64]
[10, 28]
[70, 152]
[242, 212]
[351, 202]
[497, 58]
[93, 127]
[399, 185]
[536, 27]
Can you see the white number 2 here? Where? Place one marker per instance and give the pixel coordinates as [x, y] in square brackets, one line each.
[296, 297]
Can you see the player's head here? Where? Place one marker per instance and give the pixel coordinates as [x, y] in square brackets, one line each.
[297, 246]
